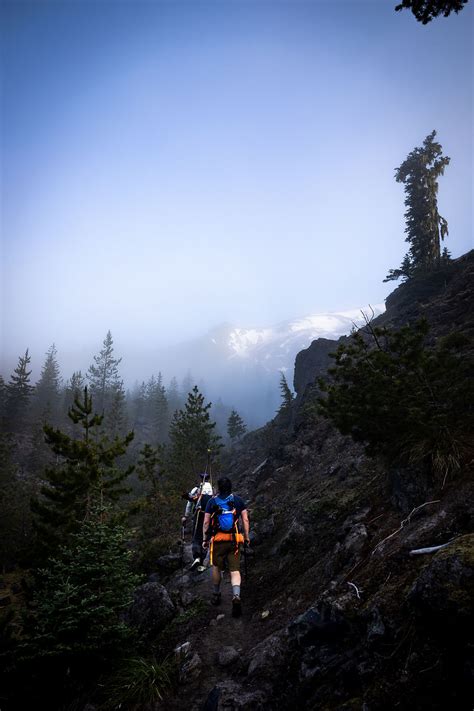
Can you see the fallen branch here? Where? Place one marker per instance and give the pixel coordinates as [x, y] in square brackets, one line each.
[404, 523]
[430, 549]
[357, 590]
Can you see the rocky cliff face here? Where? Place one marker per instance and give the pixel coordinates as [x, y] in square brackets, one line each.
[340, 610]
[445, 299]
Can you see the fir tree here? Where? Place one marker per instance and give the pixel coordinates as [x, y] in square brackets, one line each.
[427, 10]
[47, 390]
[150, 466]
[236, 427]
[173, 398]
[103, 375]
[139, 407]
[115, 418]
[85, 471]
[74, 388]
[186, 385]
[192, 435]
[158, 409]
[77, 611]
[424, 225]
[18, 394]
[3, 401]
[286, 394]
[15, 519]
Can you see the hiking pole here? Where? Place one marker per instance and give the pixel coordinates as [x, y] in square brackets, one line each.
[208, 467]
[245, 561]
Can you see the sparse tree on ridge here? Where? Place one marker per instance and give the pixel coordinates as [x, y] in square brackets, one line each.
[236, 427]
[425, 227]
[427, 10]
[286, 394]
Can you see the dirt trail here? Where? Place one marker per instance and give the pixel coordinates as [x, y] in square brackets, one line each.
[210, 636]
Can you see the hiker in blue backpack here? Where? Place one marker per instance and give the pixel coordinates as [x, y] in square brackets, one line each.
[221, 533]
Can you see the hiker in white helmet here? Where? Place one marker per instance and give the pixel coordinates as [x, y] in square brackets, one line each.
[197, 500]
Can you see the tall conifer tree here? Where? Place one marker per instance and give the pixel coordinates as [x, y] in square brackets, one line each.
[236, 427]
[47, 390]
[425, 227]
[86, 471]
[19, 392]
[192, 435]
[106, 387]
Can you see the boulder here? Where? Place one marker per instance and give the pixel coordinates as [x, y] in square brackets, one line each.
[170, 562]
[292, 538]
[227, 656]
[151, 609]
[443, 593]
[356, 539]
[376, 626]
[318, 624]
[191, 669]
[268, 658]
[231, 696]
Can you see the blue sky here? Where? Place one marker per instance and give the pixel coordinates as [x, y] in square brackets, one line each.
[167, 166]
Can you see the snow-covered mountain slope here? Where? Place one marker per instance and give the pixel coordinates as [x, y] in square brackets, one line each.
[276, 347]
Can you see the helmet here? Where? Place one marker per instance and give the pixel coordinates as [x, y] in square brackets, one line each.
[204, 476]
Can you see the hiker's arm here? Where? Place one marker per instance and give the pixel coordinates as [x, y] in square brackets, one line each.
[246, 524]
[205, 529]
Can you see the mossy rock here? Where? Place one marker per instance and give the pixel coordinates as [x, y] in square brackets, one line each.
[444, 590]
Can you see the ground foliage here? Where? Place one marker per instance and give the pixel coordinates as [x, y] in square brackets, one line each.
[405, 400]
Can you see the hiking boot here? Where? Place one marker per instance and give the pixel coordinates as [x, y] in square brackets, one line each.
[216, 598]
[195, 563]
[236, 606]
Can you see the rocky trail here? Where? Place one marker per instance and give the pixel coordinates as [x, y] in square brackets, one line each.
[213, 654]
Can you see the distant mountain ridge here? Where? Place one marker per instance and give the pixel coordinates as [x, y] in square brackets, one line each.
[242, 365]
[273, 346]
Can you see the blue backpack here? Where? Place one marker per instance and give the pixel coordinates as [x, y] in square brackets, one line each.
[226, 514]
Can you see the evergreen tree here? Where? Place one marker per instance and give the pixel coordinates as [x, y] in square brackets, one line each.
[116, 419]
[73, 389]
[139, 407]
[236, 427]
[286, 394]
[174, 400]
[18, 395]
[157, 508]
[3, 401]
[106, 386]
[424, 225]
[47, 390]
[192, 435]
[158, 409]
[77, 612]
[150, 466]
[427, 10]
[405, 401]
[15, 519]
[85, 471]
[186, 385]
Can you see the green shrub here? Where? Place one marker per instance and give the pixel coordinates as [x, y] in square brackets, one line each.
[404, 400]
